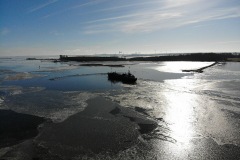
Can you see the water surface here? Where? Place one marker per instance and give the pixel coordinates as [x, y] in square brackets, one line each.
[198, 114]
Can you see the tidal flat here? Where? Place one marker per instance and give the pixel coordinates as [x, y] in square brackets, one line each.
[168, 114]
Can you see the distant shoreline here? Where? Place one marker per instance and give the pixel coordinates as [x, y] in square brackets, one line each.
[195, 57]
[181, 57]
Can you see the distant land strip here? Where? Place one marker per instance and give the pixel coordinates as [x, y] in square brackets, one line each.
[180, 57]
[204, 57]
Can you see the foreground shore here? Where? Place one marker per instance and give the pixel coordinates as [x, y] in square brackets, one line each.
[106, 130]
[103, 127]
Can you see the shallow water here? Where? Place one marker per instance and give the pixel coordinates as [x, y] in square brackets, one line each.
[198, 114]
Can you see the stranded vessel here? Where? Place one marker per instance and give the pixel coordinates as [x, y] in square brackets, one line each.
[127, 78]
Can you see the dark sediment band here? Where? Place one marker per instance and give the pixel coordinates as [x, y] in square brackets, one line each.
[16, 127]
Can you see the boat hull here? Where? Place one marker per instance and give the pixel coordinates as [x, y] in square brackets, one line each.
[124, 78]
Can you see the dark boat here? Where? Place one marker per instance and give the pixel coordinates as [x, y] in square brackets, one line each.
[127, 78]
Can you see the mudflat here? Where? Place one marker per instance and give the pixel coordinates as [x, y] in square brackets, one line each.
[16, 127]
[104, 126]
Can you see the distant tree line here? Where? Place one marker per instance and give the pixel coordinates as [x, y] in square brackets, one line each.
[89, 58]
[179, 57]
[190, 57]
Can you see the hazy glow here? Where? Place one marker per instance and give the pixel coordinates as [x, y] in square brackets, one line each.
[106, 26]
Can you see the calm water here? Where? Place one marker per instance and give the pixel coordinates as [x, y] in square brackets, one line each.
[200, 112]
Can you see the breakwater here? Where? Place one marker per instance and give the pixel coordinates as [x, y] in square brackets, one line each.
[200, 70]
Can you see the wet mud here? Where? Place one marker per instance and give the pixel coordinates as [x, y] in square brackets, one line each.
[16, 127]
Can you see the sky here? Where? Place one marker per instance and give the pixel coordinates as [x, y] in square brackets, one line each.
[85, 27]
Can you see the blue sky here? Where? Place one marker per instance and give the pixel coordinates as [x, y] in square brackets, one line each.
[48, 27]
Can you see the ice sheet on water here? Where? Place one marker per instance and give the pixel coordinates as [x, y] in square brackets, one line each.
[15, 90]
[56, 68]
[55, 105]
[1, 100]
[189, 106]
[21, 76]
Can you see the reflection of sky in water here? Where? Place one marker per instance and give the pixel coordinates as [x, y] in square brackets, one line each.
[93, 82]
[69, 70]
[20, 64]
[52, 70]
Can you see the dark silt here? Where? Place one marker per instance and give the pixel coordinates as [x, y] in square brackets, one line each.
[102, 127]
[16, 127]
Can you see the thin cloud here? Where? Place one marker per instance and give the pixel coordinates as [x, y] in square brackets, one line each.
[125, 6]
[179, 3]
[167, 16]
[41, 6]
[4, 31]
[88, 3]
[142, 22]
[112, 18]
[56, 33]
[94, 2]
[85, 50]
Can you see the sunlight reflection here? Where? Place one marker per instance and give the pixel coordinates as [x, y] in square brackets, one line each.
[177, 67]
[180, 115]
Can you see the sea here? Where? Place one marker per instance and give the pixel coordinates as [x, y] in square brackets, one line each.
[198, 114]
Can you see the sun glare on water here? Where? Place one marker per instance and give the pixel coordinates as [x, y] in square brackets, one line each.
[177, 67]
[180, 115]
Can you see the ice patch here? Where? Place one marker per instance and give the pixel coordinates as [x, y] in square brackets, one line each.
[15, 90]
[136, 96]
[57, 69]
[21, 76]
[3, 151]
[1, 100]
[55, 105]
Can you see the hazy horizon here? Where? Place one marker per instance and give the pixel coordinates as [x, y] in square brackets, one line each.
[54, 27]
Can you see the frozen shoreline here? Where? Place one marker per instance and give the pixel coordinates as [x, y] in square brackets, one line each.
[106, 130]
[97, 129]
